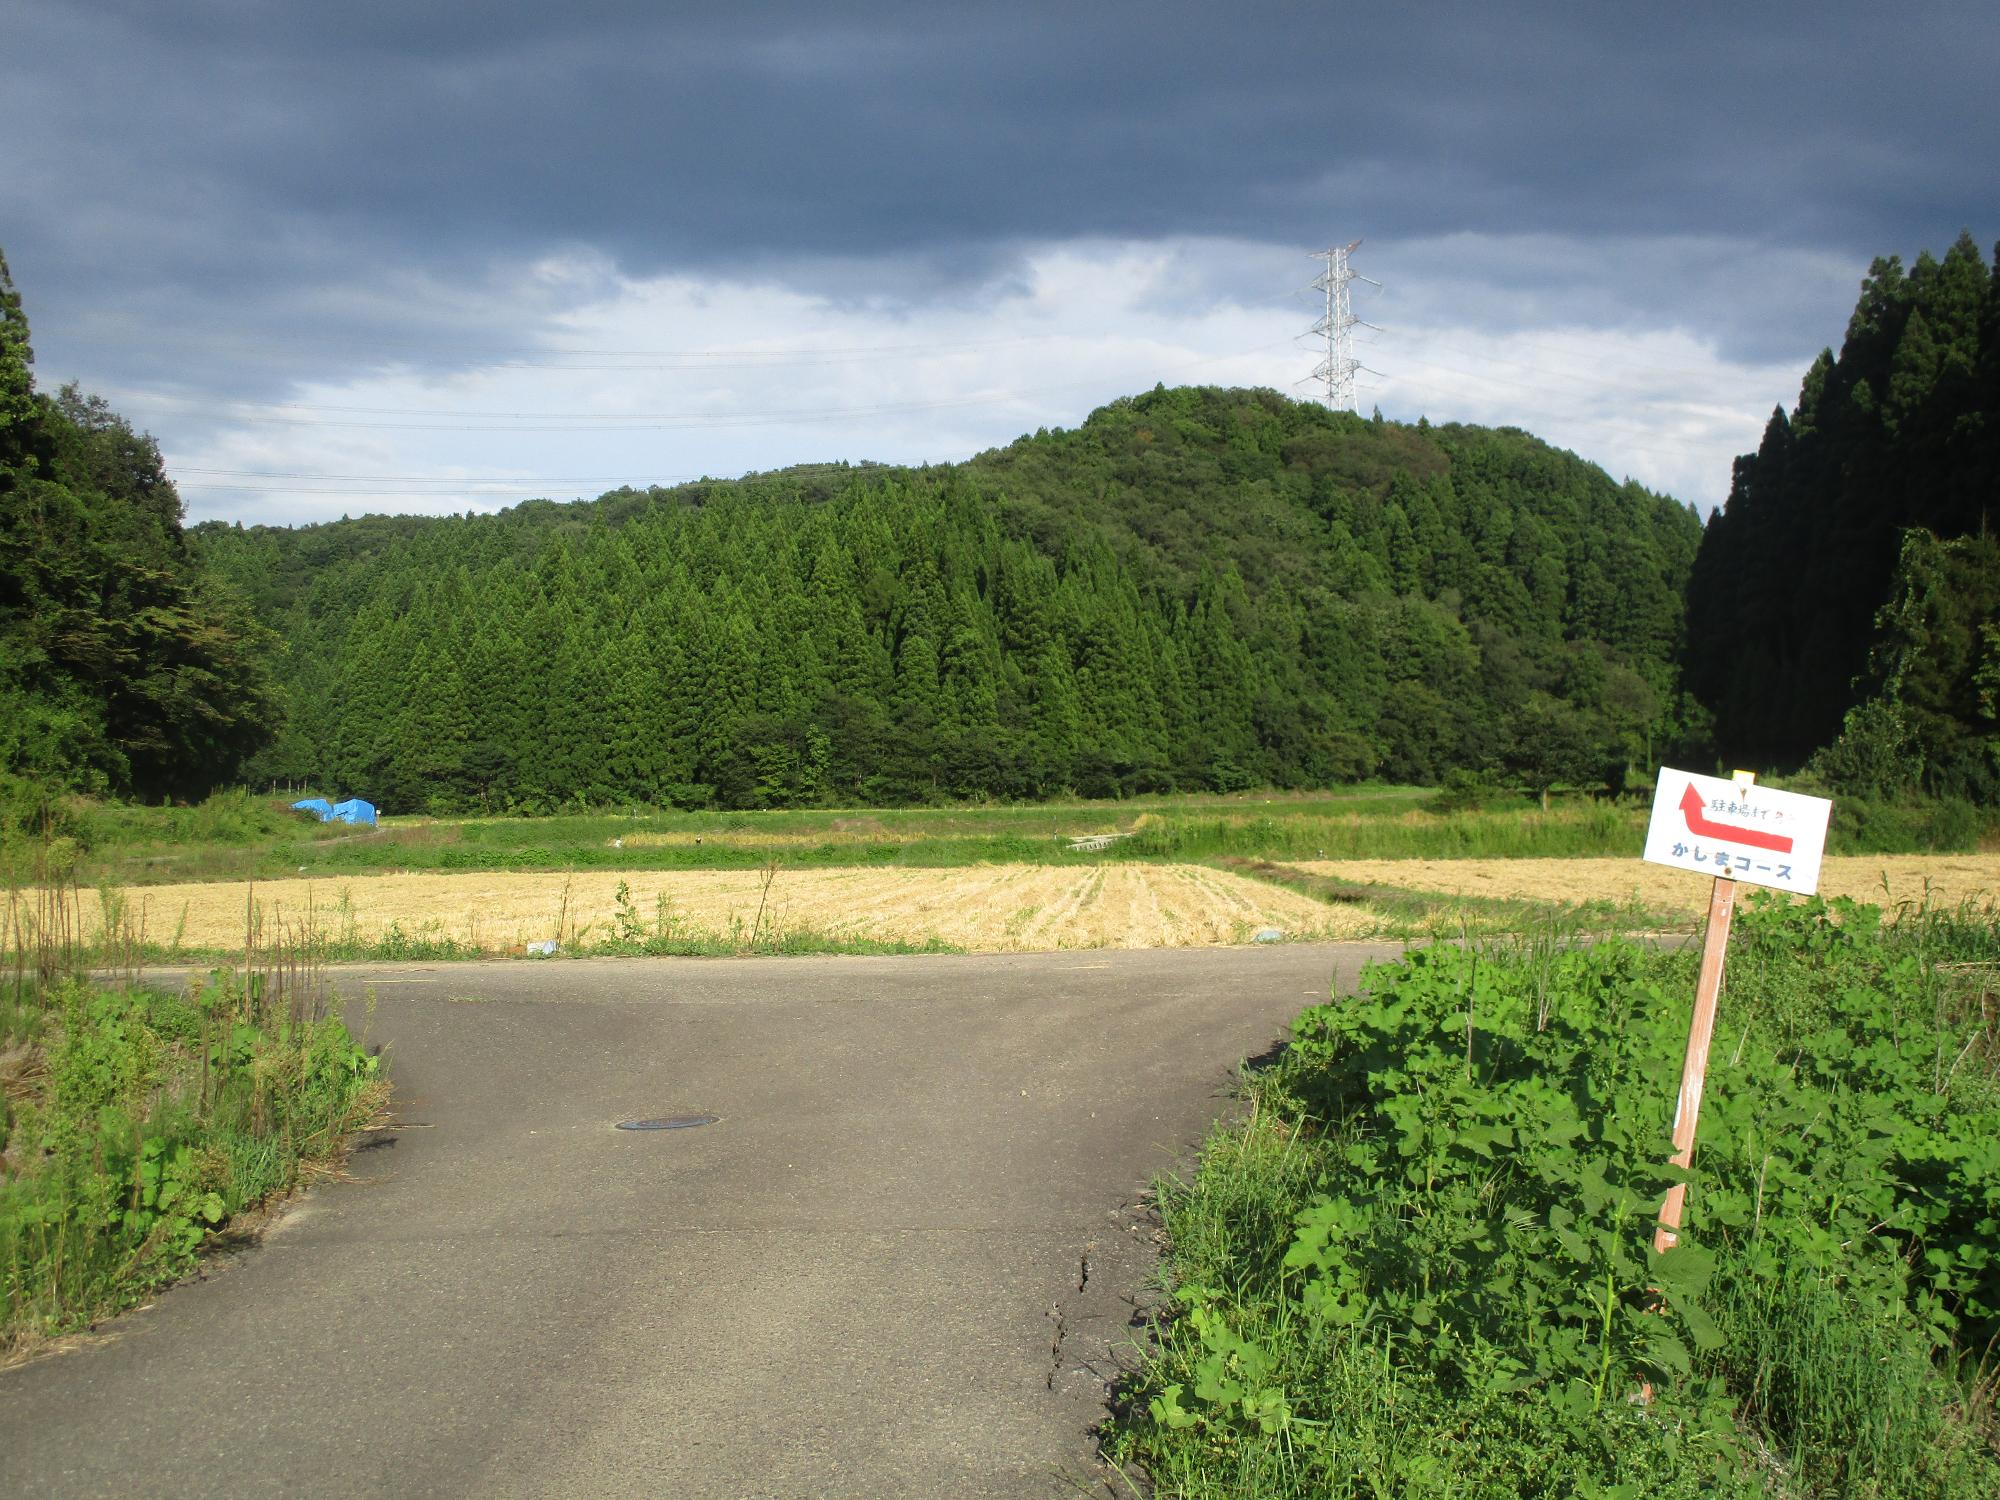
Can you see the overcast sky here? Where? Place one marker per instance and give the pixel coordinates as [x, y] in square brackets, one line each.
[385, 255]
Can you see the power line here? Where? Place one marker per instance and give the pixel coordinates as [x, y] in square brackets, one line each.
[293, 414]
[300, 414]
[1662, 403]
[205, 478]
[409, 478]
[493, 490]
[317, 484]
[536, 354]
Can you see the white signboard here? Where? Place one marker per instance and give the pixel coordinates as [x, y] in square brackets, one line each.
[1752, 833]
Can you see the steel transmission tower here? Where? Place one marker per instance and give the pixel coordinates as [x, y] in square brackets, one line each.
[1338, 369]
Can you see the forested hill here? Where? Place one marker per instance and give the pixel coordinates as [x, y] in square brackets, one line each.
[1197, 588]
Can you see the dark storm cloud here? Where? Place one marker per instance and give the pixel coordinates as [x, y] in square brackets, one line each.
[355, 172]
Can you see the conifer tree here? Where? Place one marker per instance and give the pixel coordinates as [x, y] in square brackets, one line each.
[1196, 588]
[1893, 433]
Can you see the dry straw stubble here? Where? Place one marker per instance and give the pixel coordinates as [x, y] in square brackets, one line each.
[983, 908]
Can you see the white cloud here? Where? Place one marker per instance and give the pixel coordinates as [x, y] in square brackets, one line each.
[620, 379]
[1661, 407]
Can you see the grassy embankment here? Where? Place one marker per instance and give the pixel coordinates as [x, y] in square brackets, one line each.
[139, 1124]
[1422, 1265]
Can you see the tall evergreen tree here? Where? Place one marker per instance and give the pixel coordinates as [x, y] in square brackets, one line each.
[1895, 432]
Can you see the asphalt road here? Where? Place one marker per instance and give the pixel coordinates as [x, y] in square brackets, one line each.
[902, 1263]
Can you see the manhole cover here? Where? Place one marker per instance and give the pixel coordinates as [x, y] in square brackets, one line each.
[669, 1122]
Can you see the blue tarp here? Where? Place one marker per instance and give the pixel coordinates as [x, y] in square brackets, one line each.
[354, 810]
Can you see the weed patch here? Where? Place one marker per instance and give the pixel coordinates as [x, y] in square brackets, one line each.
[145, 1121]
[1423, 1265]
[137, 1122]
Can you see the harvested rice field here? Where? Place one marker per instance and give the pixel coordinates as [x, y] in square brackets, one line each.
[1886, 880]
[988, 908]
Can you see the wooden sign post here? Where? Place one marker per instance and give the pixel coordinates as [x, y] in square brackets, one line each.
[1734, 830]
[1694, 1067]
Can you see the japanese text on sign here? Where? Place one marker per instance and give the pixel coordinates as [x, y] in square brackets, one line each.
[1750, 833]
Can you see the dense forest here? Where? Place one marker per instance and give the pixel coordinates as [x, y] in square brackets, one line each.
[1196, 589]
[123, 666]
[1844, 600]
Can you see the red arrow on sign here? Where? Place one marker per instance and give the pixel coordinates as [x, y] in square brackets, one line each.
[1695, 810]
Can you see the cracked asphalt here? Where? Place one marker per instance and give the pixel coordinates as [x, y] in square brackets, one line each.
[903, 1262]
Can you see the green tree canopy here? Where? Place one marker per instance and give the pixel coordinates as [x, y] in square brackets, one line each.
[1197, 588]
[124, 664]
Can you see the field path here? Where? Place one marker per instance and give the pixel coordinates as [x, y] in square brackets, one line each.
[900, 1264]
